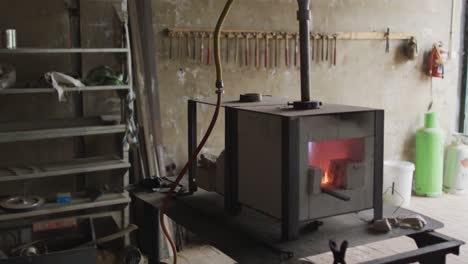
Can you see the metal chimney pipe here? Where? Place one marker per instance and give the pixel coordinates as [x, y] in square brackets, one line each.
[304, 16]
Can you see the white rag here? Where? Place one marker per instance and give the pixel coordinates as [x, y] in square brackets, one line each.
[57, 79]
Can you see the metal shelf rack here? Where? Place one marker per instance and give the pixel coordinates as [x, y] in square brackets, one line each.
[77, 127]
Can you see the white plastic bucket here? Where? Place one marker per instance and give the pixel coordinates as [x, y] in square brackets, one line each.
[398, 179]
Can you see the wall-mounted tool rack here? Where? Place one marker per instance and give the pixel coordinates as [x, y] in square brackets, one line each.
[196, 45]
[251, 34]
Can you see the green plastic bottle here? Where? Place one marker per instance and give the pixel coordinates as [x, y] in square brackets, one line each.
[429, 158]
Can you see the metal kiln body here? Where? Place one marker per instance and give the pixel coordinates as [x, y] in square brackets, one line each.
[276, 160]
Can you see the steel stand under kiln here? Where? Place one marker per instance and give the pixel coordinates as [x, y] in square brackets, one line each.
[297, 166]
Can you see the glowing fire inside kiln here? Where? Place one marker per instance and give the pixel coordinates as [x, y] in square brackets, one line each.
[333, 157]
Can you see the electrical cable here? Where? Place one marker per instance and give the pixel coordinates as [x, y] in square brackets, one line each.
[192, 158]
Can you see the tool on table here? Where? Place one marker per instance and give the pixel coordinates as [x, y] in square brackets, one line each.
[267, 50]
[227, 47]
[323, 47]
[387, 48]
[339, 254]
[328, 38]
[246, 47]
[202, 47]
[335, 37]
[257, 63]
[286, 50]
[194, 49]
[236, 48]
[276, 36]
[296, 48]
[208, 56]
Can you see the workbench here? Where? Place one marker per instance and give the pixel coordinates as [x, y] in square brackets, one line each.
[252, 237]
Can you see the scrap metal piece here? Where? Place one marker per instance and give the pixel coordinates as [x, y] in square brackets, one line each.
[250, 98]
[22, 203]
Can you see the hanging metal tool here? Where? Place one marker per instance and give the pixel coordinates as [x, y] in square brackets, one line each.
[208, 56]
[323, 47]
[296, 48]
[236, 48]
[328, 40]
[227, 47]
[286, 49]
[312, 49]
[257, 62]
[276, 36]
[170, 48]
[181, 46]
[187, 42]
[387, 48]
[202, 47]
[267, 50]
[246, 47]
[317, 47]
[194, 48]
[335, 37]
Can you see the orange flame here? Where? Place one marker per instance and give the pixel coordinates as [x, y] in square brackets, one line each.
[326, 178]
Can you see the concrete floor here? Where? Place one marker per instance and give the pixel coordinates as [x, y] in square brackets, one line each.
[450, 209]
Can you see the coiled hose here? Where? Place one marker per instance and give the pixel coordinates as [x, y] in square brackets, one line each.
[193, 157]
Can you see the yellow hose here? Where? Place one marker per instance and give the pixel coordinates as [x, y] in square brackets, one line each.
[217, 35]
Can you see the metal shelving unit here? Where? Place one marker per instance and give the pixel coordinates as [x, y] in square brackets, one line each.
[77, 205]
[15, 173]
[77, 127]
[40, 134]
[71, 89]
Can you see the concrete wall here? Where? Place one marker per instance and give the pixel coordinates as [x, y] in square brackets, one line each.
[365, 74]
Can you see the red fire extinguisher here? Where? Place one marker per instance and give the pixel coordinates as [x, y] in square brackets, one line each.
[437, 61]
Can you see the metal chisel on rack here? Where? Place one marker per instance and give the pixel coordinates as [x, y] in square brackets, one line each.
[323, 47]
[335, 37]
[181, 46]
[227, 47]
[208, 56]
[194, 48]
[286, 49]
[246, 48]
[267, 50]
[296, 48]
[202, 47]
[327, 52]
[312, 44]
[256, 36]
[170, 48]
[276, 36]
[236, 48]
